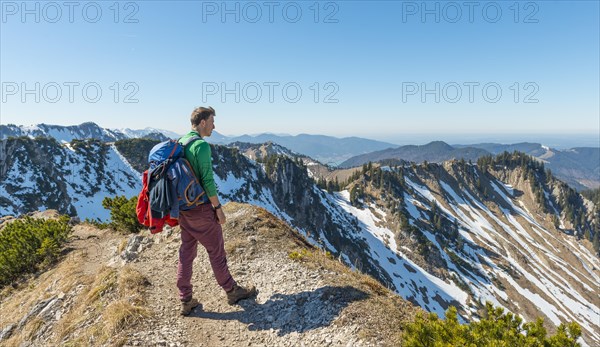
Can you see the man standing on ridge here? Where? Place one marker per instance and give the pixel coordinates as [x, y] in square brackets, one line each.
[203, 223]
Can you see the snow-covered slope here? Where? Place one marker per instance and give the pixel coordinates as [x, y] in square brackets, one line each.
[508, 251]
[63, 134]
[409, 279]
[43, 174]
[88, 130]
[132, 133]
[505, 249]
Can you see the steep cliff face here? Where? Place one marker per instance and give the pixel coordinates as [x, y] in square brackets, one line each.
[505, 234]
[72, 178]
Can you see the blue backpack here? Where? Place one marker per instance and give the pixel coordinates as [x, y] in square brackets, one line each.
[172, 184]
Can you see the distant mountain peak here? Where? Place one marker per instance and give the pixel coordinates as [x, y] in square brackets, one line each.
[439, 145]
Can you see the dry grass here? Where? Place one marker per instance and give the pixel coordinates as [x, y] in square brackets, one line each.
[100, 302]
[120, 342]
[271, 229]
[14, 341]
[114, 299]
[128, 311]
[234, 245]
[105, 281]
[121, 315]
[374, 286]
[32, 327]
[130, 281]
[27, 333]
[65, 276]
[122, 246]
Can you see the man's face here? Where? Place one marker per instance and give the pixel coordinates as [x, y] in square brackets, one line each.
[207, 126]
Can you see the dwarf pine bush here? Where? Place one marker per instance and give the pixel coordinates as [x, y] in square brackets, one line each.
[495, 329]
[122, 213]
[27, 245]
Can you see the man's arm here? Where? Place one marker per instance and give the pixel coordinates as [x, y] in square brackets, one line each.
[214, 200]
[204, 170]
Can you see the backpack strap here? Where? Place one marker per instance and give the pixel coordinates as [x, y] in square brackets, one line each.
[191, 139]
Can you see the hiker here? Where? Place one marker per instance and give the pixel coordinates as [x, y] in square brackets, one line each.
[203, 223]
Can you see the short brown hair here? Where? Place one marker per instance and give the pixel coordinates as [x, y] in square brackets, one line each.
[201, 113]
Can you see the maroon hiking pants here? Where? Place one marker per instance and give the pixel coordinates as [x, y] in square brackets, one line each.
[200, 225]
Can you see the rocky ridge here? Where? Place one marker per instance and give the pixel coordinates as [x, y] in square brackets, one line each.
[113, 290]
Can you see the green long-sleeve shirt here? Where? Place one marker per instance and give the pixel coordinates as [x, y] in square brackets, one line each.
[199, 155]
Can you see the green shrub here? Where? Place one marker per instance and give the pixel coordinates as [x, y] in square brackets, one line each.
[299, 256]
[495, 329]
[49, 250]
[122, 213]
[27, 245]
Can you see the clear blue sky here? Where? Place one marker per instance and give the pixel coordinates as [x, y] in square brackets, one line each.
[373, 54]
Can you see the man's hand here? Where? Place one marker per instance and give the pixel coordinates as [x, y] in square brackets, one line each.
[220, 216]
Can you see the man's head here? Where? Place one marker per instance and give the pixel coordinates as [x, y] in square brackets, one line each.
[203, 120]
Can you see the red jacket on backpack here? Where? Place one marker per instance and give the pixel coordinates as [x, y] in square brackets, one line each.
[144, 214]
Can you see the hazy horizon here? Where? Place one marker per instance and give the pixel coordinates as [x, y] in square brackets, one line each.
[555, 140]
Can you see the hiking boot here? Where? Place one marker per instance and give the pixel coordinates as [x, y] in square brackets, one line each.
[239, 293]
[188, 306]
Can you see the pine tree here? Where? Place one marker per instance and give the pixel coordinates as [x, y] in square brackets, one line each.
[355, 195]
[583, 222]
[438, 223]
[556, 221]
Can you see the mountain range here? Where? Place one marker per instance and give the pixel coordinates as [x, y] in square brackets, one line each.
[83, 131]
[326, 149]
[579, 167]
[438, 234]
